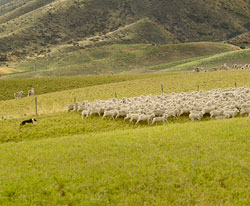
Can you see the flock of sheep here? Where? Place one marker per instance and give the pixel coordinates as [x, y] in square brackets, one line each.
[222, 67]
[217, 103]
[18, 95]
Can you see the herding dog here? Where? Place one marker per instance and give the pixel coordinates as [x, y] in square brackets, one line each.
[28, 121]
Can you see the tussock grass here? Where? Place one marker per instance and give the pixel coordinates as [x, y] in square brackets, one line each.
[205, 163]
[173, 82]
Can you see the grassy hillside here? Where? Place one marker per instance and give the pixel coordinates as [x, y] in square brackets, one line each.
[37, 26]
[58, 125]
[203, 163]
[65, 124]
[234, 57]
[63, 160]
[142, 31]
[54, 84]
[25, 7]
[116, 58]
[172, 81]
[10, 5]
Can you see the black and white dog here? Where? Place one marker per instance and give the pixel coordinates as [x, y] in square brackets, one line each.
[28, 121]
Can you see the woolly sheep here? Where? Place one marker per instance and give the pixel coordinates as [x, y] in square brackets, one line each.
[215, 113]
[245, 110]
[231, 113]
[194, 116]
[217, 102]
[18, 95]
[85, 113]
[159, 119]
[31, 92]
[219, 117]
[134, 117]
[144, 117]
[111, 113]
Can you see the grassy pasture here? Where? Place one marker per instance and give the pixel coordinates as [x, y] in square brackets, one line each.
[54, 84]
[63, 160]
[64, 124]
[234, 57]
[117, 58]
[58, 125]
[172, 81]
[205, 163]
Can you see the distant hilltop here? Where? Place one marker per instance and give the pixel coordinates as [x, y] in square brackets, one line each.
[34, 27]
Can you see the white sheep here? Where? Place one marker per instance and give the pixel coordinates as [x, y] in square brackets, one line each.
[31, 92]
[111, 113]
[215, 113]
[222, 117]
[122, 113]
[18, 95]
[134, 117]
[144, 117]
[160, 119]
[85, 113]
[231, 113]
[245, 110]
[223, 103]
[197, 115]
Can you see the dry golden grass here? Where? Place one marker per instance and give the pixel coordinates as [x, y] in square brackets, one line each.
[7, 70]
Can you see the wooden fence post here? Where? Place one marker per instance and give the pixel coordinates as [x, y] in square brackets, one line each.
[115, 95]
[198, 87]
[235, 84]
[162, 89]
[36, 106]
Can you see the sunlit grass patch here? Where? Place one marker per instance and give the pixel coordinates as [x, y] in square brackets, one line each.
[204, 163]
[172, 82]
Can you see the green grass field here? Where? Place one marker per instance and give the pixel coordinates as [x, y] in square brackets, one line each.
[54, 84]
[117, 58]
[231, 58]
[203, 163]
[64, 160]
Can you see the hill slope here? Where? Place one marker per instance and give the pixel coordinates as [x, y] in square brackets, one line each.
[116, 58]
[242, 40]
[172, 81]
[39, 25]
[203, 163]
